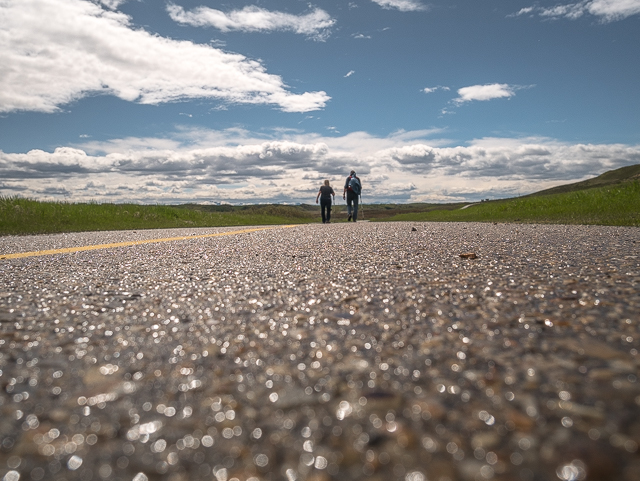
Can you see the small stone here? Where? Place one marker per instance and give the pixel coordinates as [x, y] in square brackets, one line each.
[469, 469]
[519, 420]
[582, 410]
[58, 415]
[383, 401]
[469, 255]
[319, 477]
[434, 408]
[486, 439]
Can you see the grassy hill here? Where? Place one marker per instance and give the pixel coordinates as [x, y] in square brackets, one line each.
[616, 204]
[612, 198]
[611, 177]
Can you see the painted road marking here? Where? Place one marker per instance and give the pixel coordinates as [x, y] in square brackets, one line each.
[133, 243]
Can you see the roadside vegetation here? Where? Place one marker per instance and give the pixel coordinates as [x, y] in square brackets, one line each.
[615, 205]
[610, 199]
[24, 216]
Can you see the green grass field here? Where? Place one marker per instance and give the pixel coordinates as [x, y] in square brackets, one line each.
[613, 205]
[23, 216]
[610, 199]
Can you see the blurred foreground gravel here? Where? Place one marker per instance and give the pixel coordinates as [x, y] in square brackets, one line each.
[324, 352]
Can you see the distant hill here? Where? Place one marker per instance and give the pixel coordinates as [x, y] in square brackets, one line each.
[611, 177]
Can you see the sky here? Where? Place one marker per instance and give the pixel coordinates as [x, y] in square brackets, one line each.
[260, 101]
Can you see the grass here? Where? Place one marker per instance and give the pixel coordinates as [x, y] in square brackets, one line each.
[612, 198]
[24, 216]
[618, 204]
[612, 177]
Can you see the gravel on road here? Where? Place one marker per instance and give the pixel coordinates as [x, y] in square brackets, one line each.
[367, 351]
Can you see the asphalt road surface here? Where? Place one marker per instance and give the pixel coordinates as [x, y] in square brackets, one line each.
[322, 352]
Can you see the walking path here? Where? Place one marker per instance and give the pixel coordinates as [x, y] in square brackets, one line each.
[323, 352]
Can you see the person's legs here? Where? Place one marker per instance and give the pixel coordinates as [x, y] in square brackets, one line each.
[328, 211]
[352, 203]
[355, 208]
[323, 208]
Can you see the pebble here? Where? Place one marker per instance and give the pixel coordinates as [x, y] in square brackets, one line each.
[324, 352]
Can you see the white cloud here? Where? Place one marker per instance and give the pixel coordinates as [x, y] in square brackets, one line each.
[484, 92]
[402, 5]
[571, 11]
[112, 4]
[610, 10]
[315, 24]
[522, 11]
[429, 90]
[53, 52]
[350, 73]
[237, 166]
[606, 10]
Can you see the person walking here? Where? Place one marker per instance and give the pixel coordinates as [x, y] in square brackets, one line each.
[324, 194]
[352, 190]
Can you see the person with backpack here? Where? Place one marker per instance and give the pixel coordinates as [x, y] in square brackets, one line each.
[352, 190]
[325, 193]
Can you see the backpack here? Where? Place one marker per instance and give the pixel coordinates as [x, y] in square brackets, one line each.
[355, 186]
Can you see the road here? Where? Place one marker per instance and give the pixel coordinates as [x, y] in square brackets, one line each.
[322, 352]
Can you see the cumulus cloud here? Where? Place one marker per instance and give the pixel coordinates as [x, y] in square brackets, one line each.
[484, 92]
[402, 5]
[610, 10]
[53, 52]
[605, 10]
[112, 4]
[315, 24]
[239, 167]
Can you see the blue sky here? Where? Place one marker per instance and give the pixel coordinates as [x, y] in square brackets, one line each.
[260, 101]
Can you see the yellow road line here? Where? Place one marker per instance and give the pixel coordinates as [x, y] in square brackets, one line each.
[132, 243]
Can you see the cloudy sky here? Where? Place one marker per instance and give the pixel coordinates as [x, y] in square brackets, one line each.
[248, 101]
